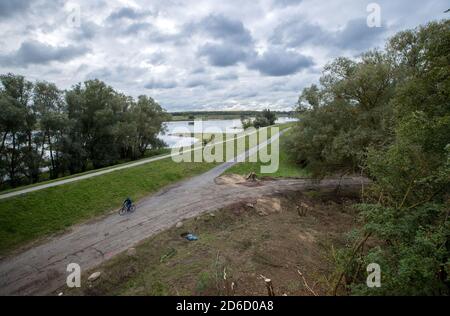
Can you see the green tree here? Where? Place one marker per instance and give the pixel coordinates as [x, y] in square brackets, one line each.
[48, 102]
[11, 123]
[149, 118]
[410, 213]
[88, 126]
[347, 113]
[387, 115]
[18, 147]
[265, 118]
[94, 108]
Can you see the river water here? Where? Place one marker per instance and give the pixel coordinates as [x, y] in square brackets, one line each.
[172, 141]
[225, 126]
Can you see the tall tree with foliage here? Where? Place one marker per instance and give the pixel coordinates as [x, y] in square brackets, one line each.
[89, 126]
[387, 115]
[410, 211]
[347, 113]
[148, 117]
[262, 119]
[94, 108]
[19, 123]
[48, 102]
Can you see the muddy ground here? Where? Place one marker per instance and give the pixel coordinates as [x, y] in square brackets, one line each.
[276, 236]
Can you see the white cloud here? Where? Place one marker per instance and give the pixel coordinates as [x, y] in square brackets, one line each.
[197, 54]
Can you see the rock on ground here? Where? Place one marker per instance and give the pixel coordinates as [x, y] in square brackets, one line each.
[94, 276]
[131, 252]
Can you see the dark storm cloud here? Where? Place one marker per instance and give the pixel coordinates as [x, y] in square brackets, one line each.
[286, 3]
[9, 8]
[355, 35]
[297, 32]
[161, 84]
[228, 50]
[156, 36]
[137, 27]
[242, 94]
[149, 31]
[226, 77]
[223, 55]
[86, 31]
[102, 74]
[235, 41]
[131, 22]
[224, 28]
[358, 36]
[279, 62]
[34, 52]
[198, 70]
[250, 94]
[157, 58]
[117, 73]
[127, 13]
[197, 82]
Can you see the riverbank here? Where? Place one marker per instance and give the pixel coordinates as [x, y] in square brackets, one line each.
[42, 213]
[222, 115]
[171, 137]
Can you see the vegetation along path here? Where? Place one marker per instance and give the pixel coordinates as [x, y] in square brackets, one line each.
[42, 269]
[92, 174]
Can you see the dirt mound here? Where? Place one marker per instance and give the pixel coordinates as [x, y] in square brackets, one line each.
[244, 241]
[266, 205]
[230, 179]
[236, 179]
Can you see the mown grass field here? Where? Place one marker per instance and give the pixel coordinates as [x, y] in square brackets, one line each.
[25, 218]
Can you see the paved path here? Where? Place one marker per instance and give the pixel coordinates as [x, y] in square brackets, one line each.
[82, 177]
[42, 269]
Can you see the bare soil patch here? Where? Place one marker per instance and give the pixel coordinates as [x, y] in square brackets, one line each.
[280, 237]
[230, 179]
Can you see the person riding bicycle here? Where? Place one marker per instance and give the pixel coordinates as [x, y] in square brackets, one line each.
[127, 203]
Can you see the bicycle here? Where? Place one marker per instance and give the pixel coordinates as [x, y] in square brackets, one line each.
[126, 209]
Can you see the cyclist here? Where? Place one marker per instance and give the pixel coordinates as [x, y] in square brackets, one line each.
[127, 203]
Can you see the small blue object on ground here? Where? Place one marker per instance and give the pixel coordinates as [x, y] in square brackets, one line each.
[191, 237]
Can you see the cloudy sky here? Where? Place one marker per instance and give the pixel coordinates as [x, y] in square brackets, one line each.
[197, 54]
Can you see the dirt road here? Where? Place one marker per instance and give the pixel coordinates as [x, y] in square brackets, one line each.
[42, 269]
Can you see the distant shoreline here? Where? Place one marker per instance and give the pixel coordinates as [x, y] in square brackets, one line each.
[222, 115]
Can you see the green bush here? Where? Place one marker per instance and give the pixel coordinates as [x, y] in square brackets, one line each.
[387, 115]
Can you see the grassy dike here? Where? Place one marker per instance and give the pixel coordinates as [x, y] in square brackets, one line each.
[155, 154]
[27, 217]
[287, 166]
[36, 214]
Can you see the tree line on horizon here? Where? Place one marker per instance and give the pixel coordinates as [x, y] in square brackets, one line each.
[86, 127]
[262, 119]
[386, 115]
[236, 112]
